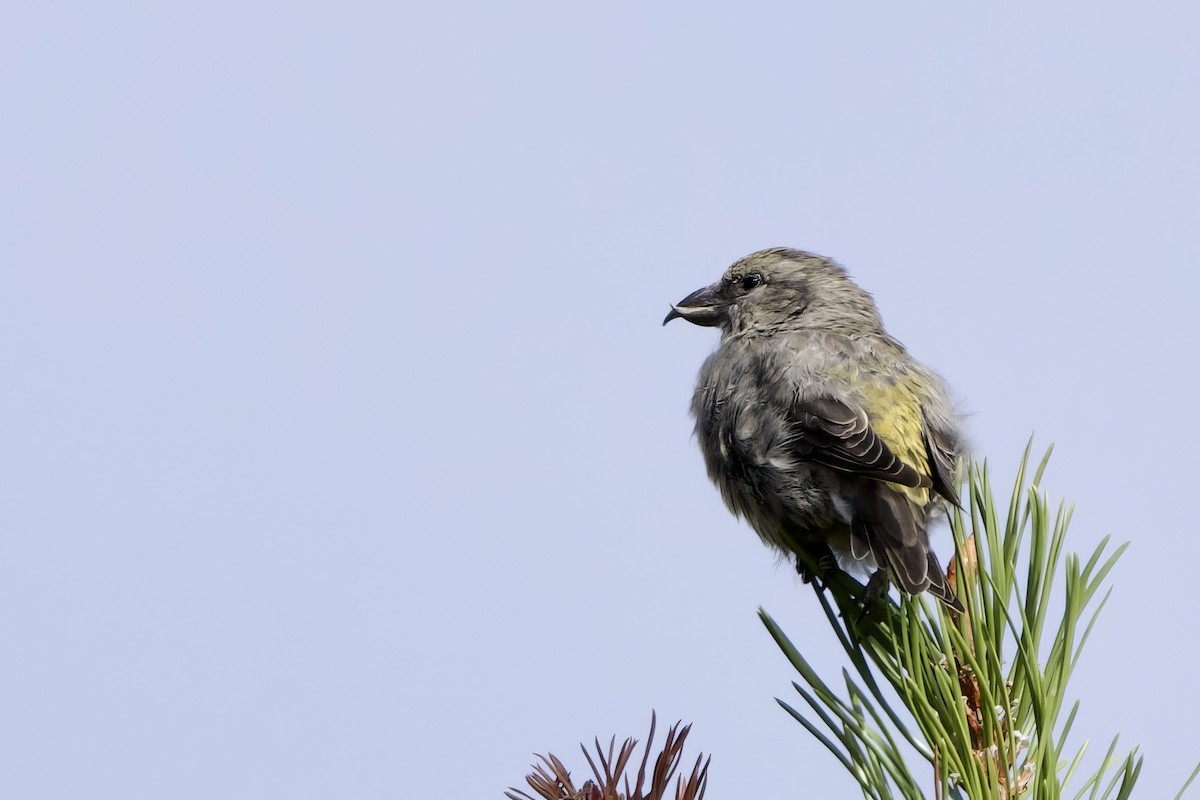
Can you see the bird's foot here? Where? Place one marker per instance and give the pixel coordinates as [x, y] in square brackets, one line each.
[818, 565]
[876, 590]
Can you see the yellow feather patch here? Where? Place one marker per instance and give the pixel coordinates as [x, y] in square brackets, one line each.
[894, 411]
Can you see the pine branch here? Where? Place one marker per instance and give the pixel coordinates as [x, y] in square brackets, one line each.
[550, 780]
[982, 692]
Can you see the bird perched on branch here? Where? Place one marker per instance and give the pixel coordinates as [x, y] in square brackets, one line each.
[818, 427]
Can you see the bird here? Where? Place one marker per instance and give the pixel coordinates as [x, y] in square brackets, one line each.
[818, 427]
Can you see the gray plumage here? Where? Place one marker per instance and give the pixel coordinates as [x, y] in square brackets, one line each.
[817, 426]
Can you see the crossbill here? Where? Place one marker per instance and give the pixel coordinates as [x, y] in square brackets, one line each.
[818, 427]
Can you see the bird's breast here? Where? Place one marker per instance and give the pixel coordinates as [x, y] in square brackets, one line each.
[750, 458]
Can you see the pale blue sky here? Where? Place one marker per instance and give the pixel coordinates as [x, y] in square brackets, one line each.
[344, 456]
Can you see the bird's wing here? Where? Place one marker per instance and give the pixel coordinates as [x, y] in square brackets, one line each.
[839, 436]
[940, 453]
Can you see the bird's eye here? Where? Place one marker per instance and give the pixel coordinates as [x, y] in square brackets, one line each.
[750, 281]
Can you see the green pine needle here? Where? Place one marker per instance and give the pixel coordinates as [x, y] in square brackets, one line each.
[982, 693]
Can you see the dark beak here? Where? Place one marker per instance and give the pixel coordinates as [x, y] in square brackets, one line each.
[702, 307]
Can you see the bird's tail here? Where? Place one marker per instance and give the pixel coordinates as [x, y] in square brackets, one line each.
[895, 532]
[939, 587]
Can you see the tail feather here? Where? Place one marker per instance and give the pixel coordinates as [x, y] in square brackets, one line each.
[941, 590]
[898, 541]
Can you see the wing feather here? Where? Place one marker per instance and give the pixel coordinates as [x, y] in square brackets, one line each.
[943, 459]
[839, 436]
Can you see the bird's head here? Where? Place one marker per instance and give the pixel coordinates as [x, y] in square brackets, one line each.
[778, 290]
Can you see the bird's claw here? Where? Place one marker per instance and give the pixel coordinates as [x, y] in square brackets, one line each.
[876, 589]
